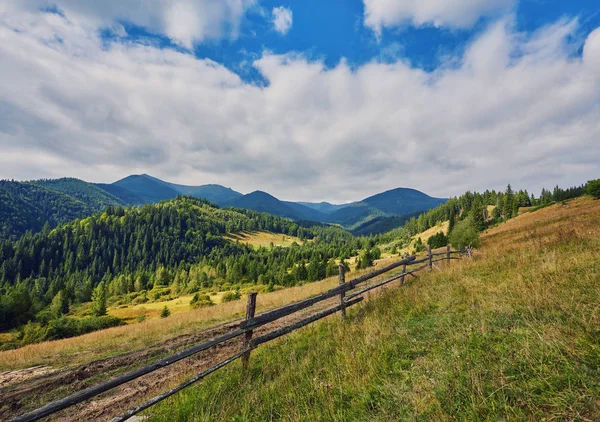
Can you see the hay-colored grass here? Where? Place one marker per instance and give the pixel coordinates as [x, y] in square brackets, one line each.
[264, 239]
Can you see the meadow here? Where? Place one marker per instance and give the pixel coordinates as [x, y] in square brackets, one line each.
[513, 334]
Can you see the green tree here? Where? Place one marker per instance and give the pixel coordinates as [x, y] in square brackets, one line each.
[99, 300]
[593, 188]
[60, 303]
[165, 312]
[465, 234]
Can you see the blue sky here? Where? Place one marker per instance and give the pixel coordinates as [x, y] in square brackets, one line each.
[334, 30]
[308, 100]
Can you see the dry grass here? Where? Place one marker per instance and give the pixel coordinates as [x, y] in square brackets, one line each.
[153, 309]
[263, 238]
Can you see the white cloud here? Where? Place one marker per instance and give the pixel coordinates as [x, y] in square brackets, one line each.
[447, 13]
[516, 108]
[185, 22]
[282, 19]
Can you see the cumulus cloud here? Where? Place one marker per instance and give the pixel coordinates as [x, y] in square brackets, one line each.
[514, 108]
[447, 13]
[282, 19]
[185, 22]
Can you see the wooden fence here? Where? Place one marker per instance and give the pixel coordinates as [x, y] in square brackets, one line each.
[246, 329]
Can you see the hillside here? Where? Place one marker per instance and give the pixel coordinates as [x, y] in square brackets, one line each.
[27, 206]
[93, 196]
[510, 335]
[182, 244]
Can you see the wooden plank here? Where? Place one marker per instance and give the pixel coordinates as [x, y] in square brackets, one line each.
[105, 386]
[289, 328]
[250, 309]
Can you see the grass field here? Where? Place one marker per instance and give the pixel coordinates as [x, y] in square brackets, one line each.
[513, 334]
[153, 309]
[264, 239]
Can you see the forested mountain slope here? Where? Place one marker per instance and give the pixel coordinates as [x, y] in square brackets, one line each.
[27, 206]
[135, 249]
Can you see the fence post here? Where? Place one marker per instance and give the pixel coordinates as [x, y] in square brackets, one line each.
[459, 253]
[429, 263]
[448, 253]
[250, 309]
[343, 294]
[403, 274]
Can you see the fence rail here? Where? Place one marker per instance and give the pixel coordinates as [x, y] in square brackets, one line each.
[246, 329]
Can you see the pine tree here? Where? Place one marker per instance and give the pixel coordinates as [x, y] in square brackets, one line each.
[165, 312]
[99, 300]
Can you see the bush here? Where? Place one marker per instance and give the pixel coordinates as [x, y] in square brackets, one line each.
[593, 188]
[65, 327]
[438, 240]
[465, 233]
[231, 296]
[201, 301]
[165, 312]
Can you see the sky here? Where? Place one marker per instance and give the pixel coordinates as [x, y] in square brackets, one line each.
[308, 100]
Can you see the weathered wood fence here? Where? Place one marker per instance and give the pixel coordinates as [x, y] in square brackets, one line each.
[246, 329]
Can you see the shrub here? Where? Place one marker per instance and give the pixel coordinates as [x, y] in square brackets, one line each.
[231, 296]
[593, 188]
[165, 312]
[437, 240]
[201, 301]
[65, 327]
[465, 234]
[141, 318]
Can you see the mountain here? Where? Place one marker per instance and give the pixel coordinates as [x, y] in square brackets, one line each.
[399, 202]
[214, 193]
[147, 188]
[264, 202]
[403, 201]
[123, 194]
[151, 189]
[324, 207]
[93, 196]
[28, 206]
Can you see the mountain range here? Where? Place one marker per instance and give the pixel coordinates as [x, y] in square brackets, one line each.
[28, 205]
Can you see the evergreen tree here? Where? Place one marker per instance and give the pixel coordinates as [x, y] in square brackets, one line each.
[99, 300]
[60, 303]
[165, 312]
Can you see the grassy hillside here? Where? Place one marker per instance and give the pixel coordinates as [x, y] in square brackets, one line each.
[513, 334]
